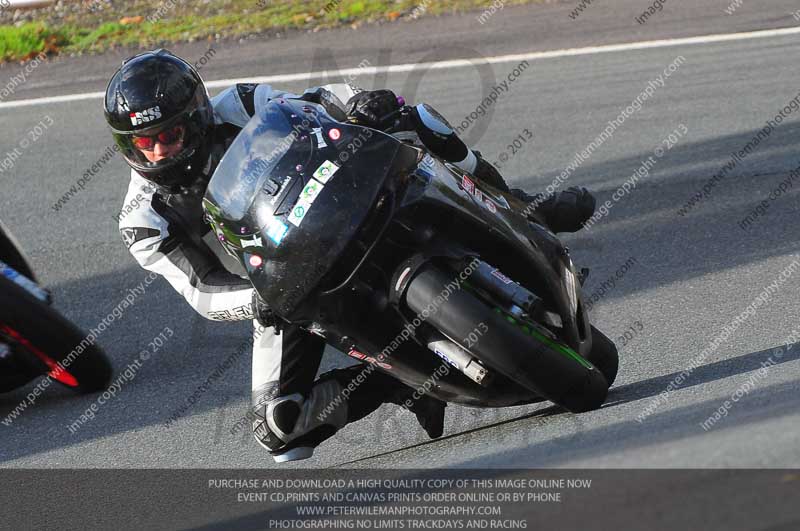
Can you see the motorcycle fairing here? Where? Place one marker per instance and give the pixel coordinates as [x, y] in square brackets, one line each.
[254, 194]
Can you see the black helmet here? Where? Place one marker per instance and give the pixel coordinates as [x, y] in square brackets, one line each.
[157, 94]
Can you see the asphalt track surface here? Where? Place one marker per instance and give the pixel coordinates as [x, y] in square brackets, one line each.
[692, 275]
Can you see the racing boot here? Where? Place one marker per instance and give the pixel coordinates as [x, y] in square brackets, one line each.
[290, 427]
[430, 414]
[428, 410]
[564, 211]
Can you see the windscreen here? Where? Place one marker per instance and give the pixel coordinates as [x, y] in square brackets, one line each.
[250, 160]
[292, 191]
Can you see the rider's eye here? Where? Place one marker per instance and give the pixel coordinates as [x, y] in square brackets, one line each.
[167, 138]
[144, 142]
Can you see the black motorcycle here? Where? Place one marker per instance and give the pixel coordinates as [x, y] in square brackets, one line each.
[34, 338]
[406, 263]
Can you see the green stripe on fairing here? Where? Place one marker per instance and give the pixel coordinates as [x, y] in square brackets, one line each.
[552, 344]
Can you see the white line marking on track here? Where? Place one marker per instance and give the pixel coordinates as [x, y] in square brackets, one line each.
[441, 65]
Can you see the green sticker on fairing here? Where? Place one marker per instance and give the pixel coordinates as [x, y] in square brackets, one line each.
[299, 212]
[308, 195]
[325, 171]
[311, 191]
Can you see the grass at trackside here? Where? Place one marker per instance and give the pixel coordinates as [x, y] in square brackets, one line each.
[190, 21]
[27, 40]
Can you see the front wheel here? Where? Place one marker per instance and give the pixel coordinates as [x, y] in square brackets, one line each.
[535, 361]
[604, 355]
[44, 342]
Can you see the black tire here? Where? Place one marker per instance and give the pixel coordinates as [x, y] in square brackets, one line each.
[540, 365]
[51, 334]
[10, 253]
[604, 355]
[14, 375]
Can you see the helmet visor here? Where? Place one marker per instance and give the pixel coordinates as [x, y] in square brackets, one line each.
[164, 141]
[159, 147]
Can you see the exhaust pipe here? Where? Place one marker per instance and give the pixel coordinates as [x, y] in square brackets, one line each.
[458, 358]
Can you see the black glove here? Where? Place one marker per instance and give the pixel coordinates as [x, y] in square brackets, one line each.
[567, 211]
[327, 99]
[263, 314]
[564, 211]
[372, 108]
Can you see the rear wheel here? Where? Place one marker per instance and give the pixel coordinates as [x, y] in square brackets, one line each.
[44, 342]
[523, 354]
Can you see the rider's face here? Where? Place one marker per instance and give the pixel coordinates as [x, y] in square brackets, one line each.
[162, 146]
[163, 151]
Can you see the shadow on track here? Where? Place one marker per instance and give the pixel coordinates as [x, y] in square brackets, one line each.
[671, 248]
[701, 375]
[762, 404]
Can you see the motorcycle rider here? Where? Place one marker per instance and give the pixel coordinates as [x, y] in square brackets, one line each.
[173, 135]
